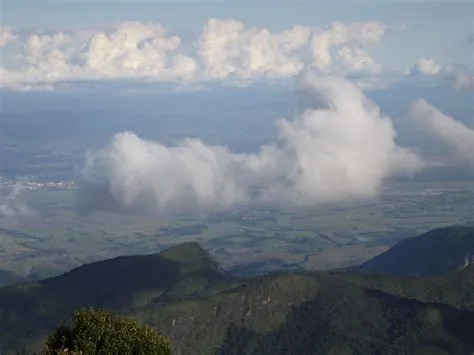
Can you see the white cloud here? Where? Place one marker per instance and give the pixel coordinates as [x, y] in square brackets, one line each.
[425, 66]
[7, 35]
[340, 148]
[453, 133]
[358, 61]
[339, 34]
[13, 206]
[226, 50]
[460, 77]
[133, 50]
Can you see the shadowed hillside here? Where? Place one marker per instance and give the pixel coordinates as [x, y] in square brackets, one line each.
[435, 252]
[31, 310]
[315, 313]
[184, 295]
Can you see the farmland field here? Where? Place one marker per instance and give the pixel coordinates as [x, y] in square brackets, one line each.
[56, 238]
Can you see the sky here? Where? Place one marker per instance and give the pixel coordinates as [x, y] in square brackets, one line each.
[298, 78]
[48, 42]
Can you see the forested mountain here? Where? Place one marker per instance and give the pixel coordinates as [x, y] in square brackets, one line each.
[325, 313]
[434, 252]
[30, 310]
[183, 293]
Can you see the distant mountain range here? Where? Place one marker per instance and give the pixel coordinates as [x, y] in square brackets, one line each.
[374, 309]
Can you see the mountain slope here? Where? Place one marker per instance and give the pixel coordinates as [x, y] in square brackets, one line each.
[372, 323]
[183, 293]
[32, 309]
[434, 252]
[453, 288]
[314, 313]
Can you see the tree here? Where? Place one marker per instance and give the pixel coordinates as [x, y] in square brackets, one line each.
[97, 331]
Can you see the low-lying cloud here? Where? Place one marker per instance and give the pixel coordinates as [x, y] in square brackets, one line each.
[339, 148]
[453, 133]
[13, 206]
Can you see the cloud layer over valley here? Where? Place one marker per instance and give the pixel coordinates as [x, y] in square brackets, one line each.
[339, 148]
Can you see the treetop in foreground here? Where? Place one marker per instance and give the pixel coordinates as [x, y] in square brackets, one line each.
[97, 331]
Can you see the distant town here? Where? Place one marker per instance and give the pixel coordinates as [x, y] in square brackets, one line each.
[8, 184]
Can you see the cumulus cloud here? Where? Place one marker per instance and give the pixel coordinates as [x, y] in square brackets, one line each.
[358, 61]
[225, 50]
[7, 35]
[453, 133]
[339, 148]
[425, 66]
[133, 50]
[459, 76]
[339, 34]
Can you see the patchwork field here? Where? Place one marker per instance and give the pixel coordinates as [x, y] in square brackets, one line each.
[56, 238]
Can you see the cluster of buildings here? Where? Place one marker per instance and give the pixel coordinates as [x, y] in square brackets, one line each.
[8, 185]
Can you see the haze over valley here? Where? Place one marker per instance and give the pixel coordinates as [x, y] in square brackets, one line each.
[219, 161]
[269, 199]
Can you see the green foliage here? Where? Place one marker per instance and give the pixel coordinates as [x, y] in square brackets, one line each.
[453, 288]
[319, 313]
[183, 293]
[97, 331]
[29, 311]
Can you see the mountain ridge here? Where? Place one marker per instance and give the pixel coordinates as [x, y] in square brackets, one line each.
[184, 293]
[117, 284]
[254, 317]
[434, 252]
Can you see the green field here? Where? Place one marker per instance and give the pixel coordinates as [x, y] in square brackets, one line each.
[58, 239]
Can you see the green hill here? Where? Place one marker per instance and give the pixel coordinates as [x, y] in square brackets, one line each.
[29, 311]
[183, 293]
[319, 313]
[453, 288]
[435, 252]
